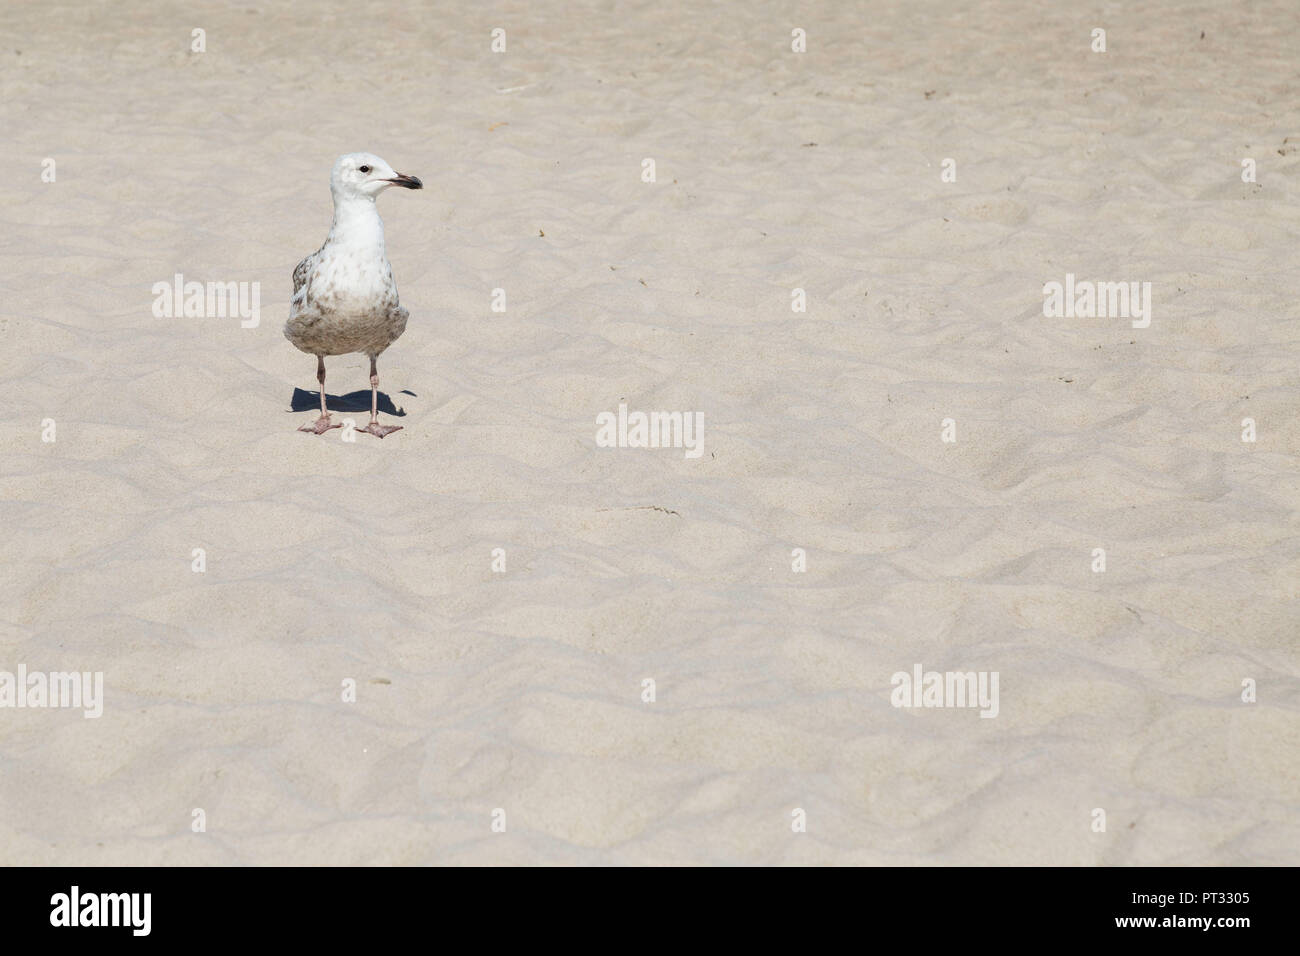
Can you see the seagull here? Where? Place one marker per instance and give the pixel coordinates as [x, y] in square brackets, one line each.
[344, 297]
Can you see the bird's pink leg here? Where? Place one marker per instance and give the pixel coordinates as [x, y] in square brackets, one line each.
[374, 428]
[322, 424]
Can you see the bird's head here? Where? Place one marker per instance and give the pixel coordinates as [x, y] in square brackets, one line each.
[365, 175]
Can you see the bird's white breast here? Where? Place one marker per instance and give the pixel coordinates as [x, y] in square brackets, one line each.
[349, 301]
[350, 281]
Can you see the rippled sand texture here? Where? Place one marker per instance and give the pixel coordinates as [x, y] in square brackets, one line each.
[371, 561]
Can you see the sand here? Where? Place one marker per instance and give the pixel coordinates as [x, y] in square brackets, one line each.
[521, 690]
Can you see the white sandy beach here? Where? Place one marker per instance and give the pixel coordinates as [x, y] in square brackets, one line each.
[329, 560]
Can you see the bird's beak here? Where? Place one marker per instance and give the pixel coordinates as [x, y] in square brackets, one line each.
[407, 182]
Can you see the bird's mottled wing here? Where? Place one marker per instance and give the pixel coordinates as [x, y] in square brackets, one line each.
[300, 273]
[301, 276]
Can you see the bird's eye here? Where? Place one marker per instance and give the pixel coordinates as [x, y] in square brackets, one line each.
[365, 169]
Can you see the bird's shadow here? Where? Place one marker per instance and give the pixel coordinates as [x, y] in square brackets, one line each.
[304, 401]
